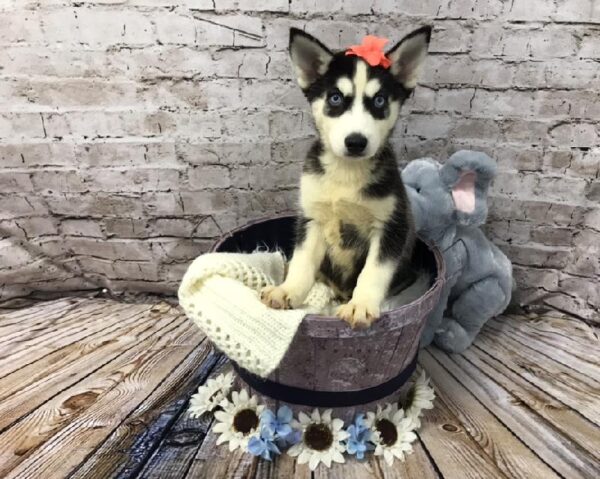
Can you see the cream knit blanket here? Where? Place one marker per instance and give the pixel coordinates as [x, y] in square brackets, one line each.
[220, 293]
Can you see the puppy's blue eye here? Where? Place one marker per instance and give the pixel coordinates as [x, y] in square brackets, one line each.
[379, 101]
[335, 99]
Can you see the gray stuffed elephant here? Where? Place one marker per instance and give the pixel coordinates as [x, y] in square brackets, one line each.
[449, 203]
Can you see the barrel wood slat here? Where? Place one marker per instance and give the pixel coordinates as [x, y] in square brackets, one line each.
[326, 355]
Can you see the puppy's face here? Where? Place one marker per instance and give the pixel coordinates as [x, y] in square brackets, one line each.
[355, 105]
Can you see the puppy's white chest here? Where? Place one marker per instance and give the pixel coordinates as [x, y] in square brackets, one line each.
[332, 203]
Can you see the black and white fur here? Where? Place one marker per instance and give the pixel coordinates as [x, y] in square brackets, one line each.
[355, 230]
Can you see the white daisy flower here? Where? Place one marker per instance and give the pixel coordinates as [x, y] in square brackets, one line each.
[210, 394]
[239, 420]
[391, 432]
[420, 396]
[321, 440]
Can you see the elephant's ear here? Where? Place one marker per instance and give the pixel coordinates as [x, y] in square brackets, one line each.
[468, 175]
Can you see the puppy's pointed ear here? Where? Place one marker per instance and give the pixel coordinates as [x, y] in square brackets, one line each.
[310, 57]
[408, 55]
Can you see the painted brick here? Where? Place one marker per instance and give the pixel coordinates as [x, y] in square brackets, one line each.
[125, 153]
[408, 7]
[132, 180]
[530, 10]
[126, 227]
[111, 249]
[451, 38]
[574, 134]
[173, 28]
[577, 11]
[144, 129]
[12, 206]
[590, 47]
[229, 153]
[36, 154]
[15, 181]
[81, 227]
[102, 27]
[309, 6]
[209, 176]
[253, 5]
[225, 30]
[21, 125]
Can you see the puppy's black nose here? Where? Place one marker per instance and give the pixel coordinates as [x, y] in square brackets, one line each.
[355, 144]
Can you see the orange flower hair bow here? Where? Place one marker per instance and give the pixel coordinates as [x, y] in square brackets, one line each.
[371, 50]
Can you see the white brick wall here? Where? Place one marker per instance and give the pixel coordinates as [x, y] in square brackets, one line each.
[133, 132]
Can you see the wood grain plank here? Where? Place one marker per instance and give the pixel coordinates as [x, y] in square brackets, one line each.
[32, 385]
[84, 324]
[417, 465]
[351, 469]
[565, 333]
[562, 418]
[554, 349]
[283, 467]
[216, 461]
[508, 453]
[124, 453]
[571, 387]
[74, 422]
[454, 451]
[555, 450]
[13, 320]
[180, 444]
[43, 324]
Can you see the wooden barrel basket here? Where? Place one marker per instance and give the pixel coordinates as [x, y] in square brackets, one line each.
[329, 365]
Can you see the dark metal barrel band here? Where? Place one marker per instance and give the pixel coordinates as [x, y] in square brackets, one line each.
[308, 397]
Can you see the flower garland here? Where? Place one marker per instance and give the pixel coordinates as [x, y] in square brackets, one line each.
[317, 438]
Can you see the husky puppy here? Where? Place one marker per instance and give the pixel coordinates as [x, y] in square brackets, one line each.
[355, 230]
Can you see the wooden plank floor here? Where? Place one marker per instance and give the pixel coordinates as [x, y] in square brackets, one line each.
[94, 388]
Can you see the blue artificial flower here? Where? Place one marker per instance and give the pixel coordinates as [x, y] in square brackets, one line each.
[358, 441]
[263, 445]
[279, 426]
[276, 433]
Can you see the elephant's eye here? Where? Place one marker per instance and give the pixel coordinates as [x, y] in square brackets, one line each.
[418, 189]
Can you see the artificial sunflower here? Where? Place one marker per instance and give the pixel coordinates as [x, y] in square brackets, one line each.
[391, 432]
[210, 395]
[239, 420]
[322, 439]
[420, 396]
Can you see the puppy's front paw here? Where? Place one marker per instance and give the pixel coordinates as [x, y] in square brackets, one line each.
[275, 297]
[358, 314]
